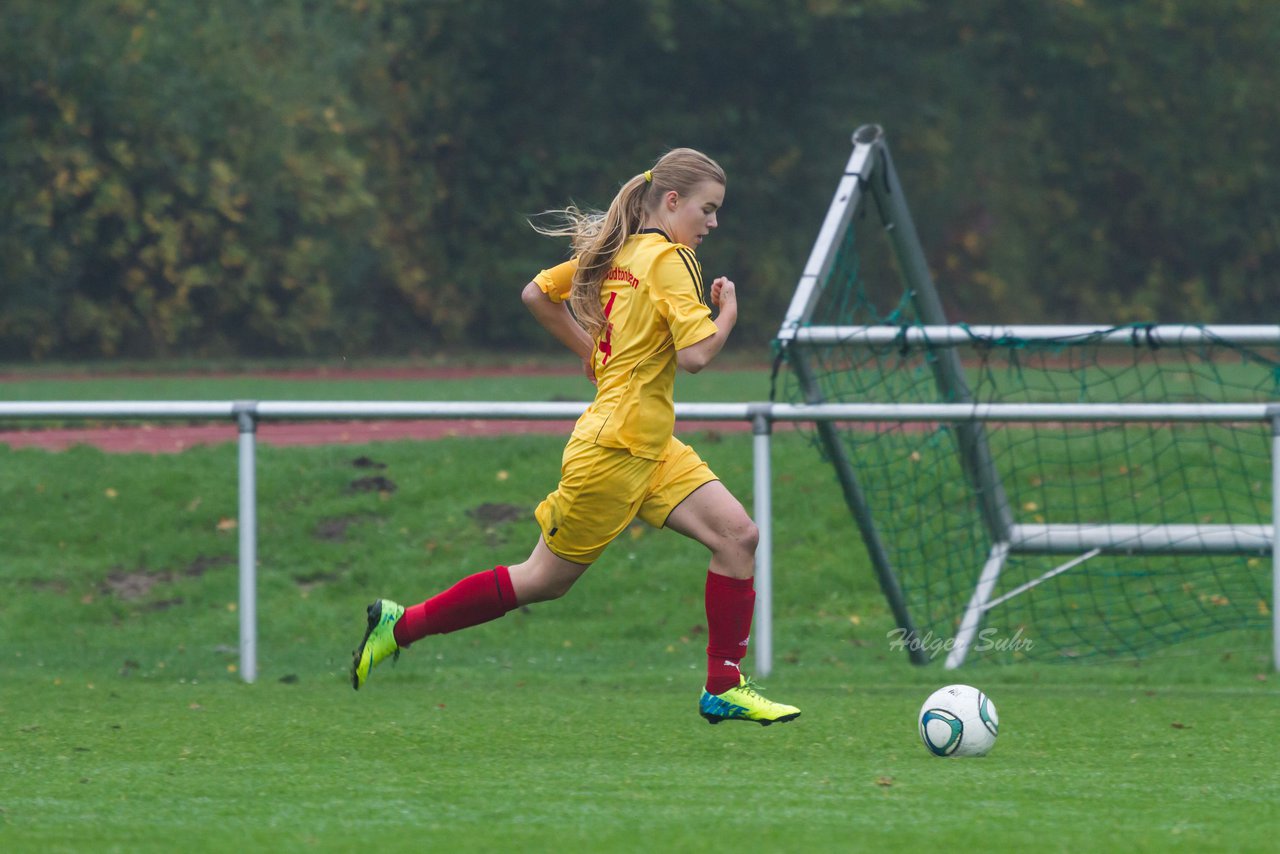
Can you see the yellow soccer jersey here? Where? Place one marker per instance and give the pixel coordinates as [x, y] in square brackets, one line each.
[652, 300]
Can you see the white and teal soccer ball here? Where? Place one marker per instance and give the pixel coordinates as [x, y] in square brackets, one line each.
[959, 720]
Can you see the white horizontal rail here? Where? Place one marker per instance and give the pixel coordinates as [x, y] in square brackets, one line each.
[1173, 334]
[1169, 539]
[915, 412]
[501, 410]
[498, 410]
[1088, 412]
[118, 409]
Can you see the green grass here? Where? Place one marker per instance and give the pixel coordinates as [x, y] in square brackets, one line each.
[124, 724]
[520, 756]
[552, 378]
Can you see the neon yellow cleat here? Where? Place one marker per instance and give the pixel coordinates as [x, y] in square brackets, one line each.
[379, 641]
[744, 703]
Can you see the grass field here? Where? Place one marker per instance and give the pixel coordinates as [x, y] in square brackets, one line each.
[571, 725]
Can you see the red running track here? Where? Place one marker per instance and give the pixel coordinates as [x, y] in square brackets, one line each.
[175, 438]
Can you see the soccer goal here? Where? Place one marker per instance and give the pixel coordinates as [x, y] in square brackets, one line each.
[1122, 502]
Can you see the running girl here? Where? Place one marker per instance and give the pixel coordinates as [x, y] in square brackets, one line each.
[631, 304]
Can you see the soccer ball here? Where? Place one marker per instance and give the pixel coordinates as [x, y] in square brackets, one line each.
[958, 720]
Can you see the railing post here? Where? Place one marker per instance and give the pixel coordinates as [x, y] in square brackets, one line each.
[1273, 412]
[246, 417]
[761, 428]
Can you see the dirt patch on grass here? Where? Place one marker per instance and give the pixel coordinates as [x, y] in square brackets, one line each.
[494, 518]
[497, 514]
[131, 585]
[334, 529]
[375, 483]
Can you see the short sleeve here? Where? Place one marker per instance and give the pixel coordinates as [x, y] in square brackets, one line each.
[557, 282]
[676, 289]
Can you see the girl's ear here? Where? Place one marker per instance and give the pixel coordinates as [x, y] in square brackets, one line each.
[671, 199]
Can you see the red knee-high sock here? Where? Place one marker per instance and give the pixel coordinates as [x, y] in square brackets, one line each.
[475, 599]
[730, 605]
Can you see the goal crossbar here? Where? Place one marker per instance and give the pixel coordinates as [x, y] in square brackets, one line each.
[952, 335]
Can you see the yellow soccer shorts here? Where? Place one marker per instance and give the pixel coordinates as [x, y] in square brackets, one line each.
[603, 489]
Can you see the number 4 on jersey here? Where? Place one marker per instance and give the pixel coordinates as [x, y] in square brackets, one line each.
[606, 340]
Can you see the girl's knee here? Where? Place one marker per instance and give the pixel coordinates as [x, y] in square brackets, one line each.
[748, 536]
[741, 535]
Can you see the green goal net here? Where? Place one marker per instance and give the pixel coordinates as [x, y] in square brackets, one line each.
[1057, 539]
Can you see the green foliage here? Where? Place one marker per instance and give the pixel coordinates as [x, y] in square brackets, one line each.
[1142, 182]
[301, 178]
[180, 178]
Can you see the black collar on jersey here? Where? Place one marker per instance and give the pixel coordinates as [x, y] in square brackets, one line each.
[655, 231]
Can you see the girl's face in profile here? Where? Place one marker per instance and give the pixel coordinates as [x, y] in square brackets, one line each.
[693, 216]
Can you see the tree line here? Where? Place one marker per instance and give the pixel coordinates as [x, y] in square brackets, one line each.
[356, 176]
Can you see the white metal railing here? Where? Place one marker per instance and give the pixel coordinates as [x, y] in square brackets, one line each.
[951, 335]
[762, 416]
